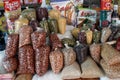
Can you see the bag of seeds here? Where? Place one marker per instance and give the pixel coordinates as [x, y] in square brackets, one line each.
[71, 71]
[90, 69]
[110, 55]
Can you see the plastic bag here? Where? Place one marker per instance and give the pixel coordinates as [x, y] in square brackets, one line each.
[95, 51]
[10, 65]
[25, 35]
[71, 72]
[56, 60]
[29, 13]
[69, 55]
[20, 23]
[38, 39]
[69, 42]
[24, 77]
[90, 69]
[81, 52]
[12, 45]
[2, 56]
[55, 42]
[30, 2]
[110, 55]
[26, 60]
[34, 24]
[111, 71]
[42, 60]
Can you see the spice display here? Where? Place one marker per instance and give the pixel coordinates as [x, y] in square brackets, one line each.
[90, 69]
[70, 42]
[95, 51]
[12, 45]
[38, 39]
[118, 44]
[41, 13]
[69, 55]
[34, 24]
[56, 60]
[96, 36]
[42, 60]
[44, 24]
[53, 25]
[71, 72]
[54, 14]
[110, 55]
[75, 32]
[25, 35]
[111, 71]
[89, 36]
[19, 23]
[106, 32]
[55, 42]
[26, 60]
[82, 37]
[29, 13]
[10, 65]
[81, 52]
[24, 77]
[62, 25]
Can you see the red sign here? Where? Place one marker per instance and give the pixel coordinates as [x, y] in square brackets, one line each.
[106, 5]
[11, 5]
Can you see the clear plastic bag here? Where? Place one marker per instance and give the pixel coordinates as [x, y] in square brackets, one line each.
[95, 51]
[69, 55]
[10, 65]
[24, 77]
[90, 69]
[42, 60]
[56, 60]
[110, 55]
[25, 35]
[26, 60]
[38, 39]
[71, 72]
[12, 45]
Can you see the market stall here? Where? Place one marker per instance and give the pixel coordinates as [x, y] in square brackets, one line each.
[60, 40]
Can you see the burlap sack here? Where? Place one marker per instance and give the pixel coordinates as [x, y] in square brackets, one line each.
[110, 55]
[71, 72]
[111, 71]
[90, 69]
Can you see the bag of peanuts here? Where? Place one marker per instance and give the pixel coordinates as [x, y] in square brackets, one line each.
[110, 55]
[42, 60]
[12, 45]
[71, 72]
[38, 39]
[26, 60]
[25, 35]
[56, 60]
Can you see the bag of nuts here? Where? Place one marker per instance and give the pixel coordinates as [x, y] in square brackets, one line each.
[25, 35]
[11, 47]
[26, 60]
[38, 39]
[42, 60]
[56, 60]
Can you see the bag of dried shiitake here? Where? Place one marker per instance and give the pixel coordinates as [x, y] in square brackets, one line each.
[56, 60]
[42, 59]
[26, 60]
